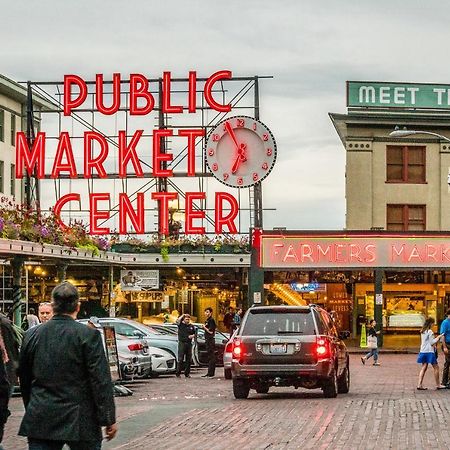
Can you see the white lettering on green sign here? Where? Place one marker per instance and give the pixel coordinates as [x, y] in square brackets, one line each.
[397, 95]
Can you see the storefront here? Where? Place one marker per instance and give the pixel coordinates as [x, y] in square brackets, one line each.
[337, 271]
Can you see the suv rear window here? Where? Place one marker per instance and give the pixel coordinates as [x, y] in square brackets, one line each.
[283, 322]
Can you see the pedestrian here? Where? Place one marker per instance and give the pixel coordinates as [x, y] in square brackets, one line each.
[4, 394]
[372, 343]
[65, 381]
[427, 354]
[445, 331]
[32, 319]
[228, 320]
[186, 334]
[11, 339]
[237, 320]
[45, 311]
[210, 331]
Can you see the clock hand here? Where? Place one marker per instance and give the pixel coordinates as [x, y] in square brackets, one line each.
[240, 158]
[231, 133]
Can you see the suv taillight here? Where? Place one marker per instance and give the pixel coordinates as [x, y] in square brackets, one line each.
[237, 349]
[322, 347]
[229, 347]
[135, 347]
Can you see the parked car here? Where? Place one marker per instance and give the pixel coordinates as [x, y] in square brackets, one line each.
[163, 363]
[199, 353]
[135, 359]
[228, 357]
[137, 331]
[289, 346]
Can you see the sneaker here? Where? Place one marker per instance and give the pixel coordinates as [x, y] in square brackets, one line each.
[205, 376]
[376, 364]
[187, 376]
[363, 360]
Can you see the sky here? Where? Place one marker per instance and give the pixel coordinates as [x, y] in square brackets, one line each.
[310, 48]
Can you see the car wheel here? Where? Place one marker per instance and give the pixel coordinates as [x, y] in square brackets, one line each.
[330, 387]
[227, 374]
[241, 388]
[344, 381]
[262, 388]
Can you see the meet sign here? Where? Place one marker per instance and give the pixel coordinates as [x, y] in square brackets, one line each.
[398, 95]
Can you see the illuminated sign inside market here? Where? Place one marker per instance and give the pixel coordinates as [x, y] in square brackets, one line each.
[346, 251]
[97, 152]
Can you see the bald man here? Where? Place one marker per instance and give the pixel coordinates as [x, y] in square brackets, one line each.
[45, 312]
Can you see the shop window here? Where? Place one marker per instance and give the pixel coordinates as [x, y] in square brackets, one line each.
[406, 218]
[2, 125]
[405, 164]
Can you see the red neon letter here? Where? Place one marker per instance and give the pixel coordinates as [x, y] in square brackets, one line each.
[227, 220]
[89, 161]
[166, 106]
[61, 202]
[139, 89]
[163, 199]
[115, 94]
[159, 157]
[223, 74]
[70, 104]
[126, 209]
[129, 152]
[35, 157]
[96, 215]
[191, 214]
[64, 148]
[192, 105]
[191, 134]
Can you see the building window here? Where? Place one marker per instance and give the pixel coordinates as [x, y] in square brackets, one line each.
[405, 164]
[406, 217]
[13, 180]
[2, 125]
[13, 129]
[2, 176]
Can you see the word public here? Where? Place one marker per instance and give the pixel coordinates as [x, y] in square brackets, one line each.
[30, 159]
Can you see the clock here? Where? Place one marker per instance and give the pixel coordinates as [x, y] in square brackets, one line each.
[240, 151]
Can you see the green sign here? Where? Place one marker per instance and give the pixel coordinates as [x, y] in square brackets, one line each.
[398, 95]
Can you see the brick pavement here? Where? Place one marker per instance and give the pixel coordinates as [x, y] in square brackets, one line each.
[383, 410]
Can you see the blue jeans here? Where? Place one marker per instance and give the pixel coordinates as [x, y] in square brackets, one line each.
[373, 352]
[43, 444]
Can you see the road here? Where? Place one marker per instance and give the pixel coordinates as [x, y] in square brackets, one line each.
[382, 411]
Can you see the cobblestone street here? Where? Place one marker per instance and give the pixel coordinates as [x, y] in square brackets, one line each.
[383, 410]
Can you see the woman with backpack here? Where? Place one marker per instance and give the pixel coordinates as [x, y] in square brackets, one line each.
[428, 354]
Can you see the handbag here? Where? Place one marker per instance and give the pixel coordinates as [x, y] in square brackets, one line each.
[372, 342]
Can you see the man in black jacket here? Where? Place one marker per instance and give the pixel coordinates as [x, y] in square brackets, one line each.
[186, 333]
[65, 381]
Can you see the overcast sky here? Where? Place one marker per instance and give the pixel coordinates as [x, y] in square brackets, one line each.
[310, 47]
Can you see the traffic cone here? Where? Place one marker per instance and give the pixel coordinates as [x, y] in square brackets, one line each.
[363, 341]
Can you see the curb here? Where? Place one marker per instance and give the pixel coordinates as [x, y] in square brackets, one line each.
[385, 351]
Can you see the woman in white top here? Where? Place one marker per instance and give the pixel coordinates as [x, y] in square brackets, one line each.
[427, 354]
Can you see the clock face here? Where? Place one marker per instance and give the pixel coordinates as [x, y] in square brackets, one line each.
[240, 151]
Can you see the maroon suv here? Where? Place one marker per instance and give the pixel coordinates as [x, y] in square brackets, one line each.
[289, 346]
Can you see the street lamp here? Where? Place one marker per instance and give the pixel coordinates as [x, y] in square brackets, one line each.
[406, 133]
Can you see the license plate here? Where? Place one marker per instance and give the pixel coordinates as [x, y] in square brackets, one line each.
[278, 348]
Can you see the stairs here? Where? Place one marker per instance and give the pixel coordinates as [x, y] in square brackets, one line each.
[287, 294]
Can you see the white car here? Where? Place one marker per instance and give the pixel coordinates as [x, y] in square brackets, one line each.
[163, 363]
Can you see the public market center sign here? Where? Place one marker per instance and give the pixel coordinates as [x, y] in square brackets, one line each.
[398, 95]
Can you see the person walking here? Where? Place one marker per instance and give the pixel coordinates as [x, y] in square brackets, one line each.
[210, 331]
[237, 320]
[427, 354]
[186, 333]
[65, 381]
[372, 343]
[445, 331]
[228, 320]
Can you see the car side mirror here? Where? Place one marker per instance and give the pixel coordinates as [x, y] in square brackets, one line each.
[224, 341]
[138, 333]
[344, 334]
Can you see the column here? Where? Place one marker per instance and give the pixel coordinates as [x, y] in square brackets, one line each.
[256, 273]
[17, 265]
[378, 299]
[61, 270]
